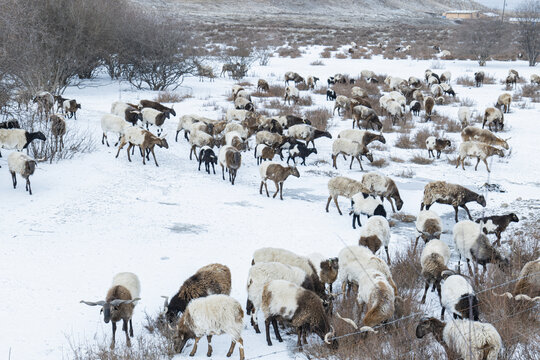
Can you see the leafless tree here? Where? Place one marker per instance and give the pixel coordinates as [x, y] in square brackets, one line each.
[482, 39]
[528, 16]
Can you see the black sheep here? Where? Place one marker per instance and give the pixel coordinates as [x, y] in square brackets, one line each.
[300, 150]
[207, 156]
[496, 224]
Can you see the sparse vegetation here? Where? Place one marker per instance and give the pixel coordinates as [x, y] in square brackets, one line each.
[421, 160]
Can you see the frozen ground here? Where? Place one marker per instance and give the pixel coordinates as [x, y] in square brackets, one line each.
[95, 215]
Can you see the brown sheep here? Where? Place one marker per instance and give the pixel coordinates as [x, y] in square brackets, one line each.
[278, 174]
[471, 133]
[528, 285]
[70, 108]
[230, 158]
[58, 130]
[504, 102]
[450, 194]
[157, 106]
[262, 85]
[208, 280]
[495, 117]
[264, 152]
[144, 139]
[429, 103]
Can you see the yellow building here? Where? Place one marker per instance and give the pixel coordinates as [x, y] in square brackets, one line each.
[462, 14]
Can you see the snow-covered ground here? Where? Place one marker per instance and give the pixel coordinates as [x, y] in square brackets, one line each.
[95, 215]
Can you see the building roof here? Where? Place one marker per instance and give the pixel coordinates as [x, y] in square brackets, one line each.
[461, 11]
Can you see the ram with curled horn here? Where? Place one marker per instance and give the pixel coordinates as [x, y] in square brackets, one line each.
[528, 285]
[119, 303]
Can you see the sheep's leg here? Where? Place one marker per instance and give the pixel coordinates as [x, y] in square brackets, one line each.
[425, 293]
[352, 159]
[299, 341]
[191, 152]
[28, 188]
[194, 350]
[277, 189]
[477, 162]
[120, 148]
[130, 328]
[113, 335]
[129, 148]
[415, 244]
[487, 167]
[266, 188]
[267, 328]
[213, 169]
[442, 313]
[14, 179]
[125, 329]
[233, 173]
[391, 203]
[142, 153]
[200, 163]
[62, 143]
[337, 205]
[223, 172]
[103, 140]
[276, 329]
[281, 191]
[387, 255]
[153, 155]
[260, 188]
[360, 162]
[209, 339]
[456, 210]
[498, 241]
[438, 154]
[467, 210]
[328, 203]
[470, 268]
[334, 165]
[231, 349]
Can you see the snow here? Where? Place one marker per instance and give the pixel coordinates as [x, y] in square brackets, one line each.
[94, 216]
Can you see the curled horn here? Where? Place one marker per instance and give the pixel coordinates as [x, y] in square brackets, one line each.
[368, 329]
[166, 302]
[347, 320]
[117, 302]
[90, 303]
[163, 136]
[330, 334]
[447, 273]
[508, 139]
[517, 297]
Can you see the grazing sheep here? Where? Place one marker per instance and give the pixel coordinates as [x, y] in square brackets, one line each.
[450, 194]
[436, 90]
[465, 115]
[458, 297]
[127, 112]
[327, 269]
[429, 103]
[10, 124]
[353, 148]
[363, 113]
[383, 186]
[479, 78]
[496, 224]
[427, 74]
[375, 234]
[429, 226]
[535, 79]
[112, 123]
[153, 117]
[415, 107]
[289, 75]
[262, 85]
[291, 92]
[447, 89]
[474, 245]
[22, 164]
[415, 82]
[479, 150]
[361, 136]
[368, 74]
[307, 133]
[157, 106]
[417, 95]
[58, 130]
[493, 116]
[45, 102]
[528, 286]
[432, 143]
[394, 82]
[241, 103]
[433, 80]
[331, 95]
[70, 107]
[511, 80]
[18, 138]
[208, 280]
[504, 102]
[471, 133]
[144, 139]
[234, 139]
[208, 156]
[399, 98]
[211, 315]
[468, 340]
[312, 81]
[301, 307]
[119, 303]
[231, 159]
[235, 90]
[343, 186]
[278, 174]
[342, 103]
[264, 152]
[446, 76]
[302, 151]
[357, 91]
[363, 203]
[434, 261]
[395, 110]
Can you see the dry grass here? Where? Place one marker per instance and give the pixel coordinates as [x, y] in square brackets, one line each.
[406, 173]
[281, 106]
[317, 63]
[403, 217]
[326, 54]
[379, 163]
[170, 97]
[341, 56]
[289, 52]
[305, 101]
[420, 160]
[420, 137]
[396, 159]
[466, 101]
[530, 91]
[489, 79]
[404, 141]
[318, 117]
[465, 81]
[444, 123]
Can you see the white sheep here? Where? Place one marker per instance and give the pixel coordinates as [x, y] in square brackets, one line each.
[241, 103]
[283, 256]
[198, 139]
[429, 226]
[376, 234]
[229, 157]
[153, 117]
[535, 79]
[307, 133]
[347, 147]
[394, 82]
[358, 91]
[18, 139]
[495, 117]
[478, 150]
[464, 116]
[343, 186]
[342, 103]
[432, 80]
[22, 164]
[432, 143]
[436, 90]
[395, 110]
[434, 260]
[234, 114]
[209, 316]
[446, 76]
[383, 186]
[367, 74]
[397, 96]
[239, 128]
[234, 138]
[291, 92]
[112, 123]
[458, 297]
[365, 204]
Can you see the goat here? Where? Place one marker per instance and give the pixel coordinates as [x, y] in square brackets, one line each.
[496, 224]
[22, 164]
[229, 157]
[450, 194]
[278, 174]
[432, 143]
[144, 139]
[207, 155]
[479, 150]
[112, 123]
[157, 106]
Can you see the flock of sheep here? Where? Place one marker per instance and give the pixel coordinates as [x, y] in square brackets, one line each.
[292, 288]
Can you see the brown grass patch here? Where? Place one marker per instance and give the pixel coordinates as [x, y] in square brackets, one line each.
[289, 52]
[465, 81]
[403, 217]
[489, 79]
[170, 97]
[420, 137]
[326, 54]
[396, 159]
[444, 123]
[404, 141]
[530, 91]
[466, 102]
[420, 160]
[316, 63]
[305, 101]
[318, 117]
[341, 56]
[379, 163]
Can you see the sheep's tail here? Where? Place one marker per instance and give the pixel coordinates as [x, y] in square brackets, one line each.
[348, 321]
[517, 297]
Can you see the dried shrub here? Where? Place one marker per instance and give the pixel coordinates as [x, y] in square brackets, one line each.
[489, 79]
[244, 83]
[305, 101]
[281, 106]
[320, 90]
[406, 173]
[289, 52]
[530, 91]
[420, 137]
[396, 159]
[403, 141]
[170, 97]
[466, 102]
[444, 123]
[420, 160]
[318, 117]
[316, 63]
[379, 163]
[341, 56]
[326, 54]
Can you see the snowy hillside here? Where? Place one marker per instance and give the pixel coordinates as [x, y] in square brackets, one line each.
[96, 215]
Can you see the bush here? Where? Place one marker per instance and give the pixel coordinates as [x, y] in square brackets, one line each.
[465, 81]
[289, 52]
[403, 141]
[170, 97]
[317, 63]
[380, 163]
[421, 136]
[418, 159]
[318, 117]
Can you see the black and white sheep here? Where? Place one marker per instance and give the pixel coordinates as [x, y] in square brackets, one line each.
[300, 150]
[119, 303]
[432, 143]
[157, 106]
[153, 117]
[459, 298]
[208, 156]
[127, 112]
[415, 107]
[331, 95]
[363, 203]
[496, 224]
[22, 164]
[18, 139]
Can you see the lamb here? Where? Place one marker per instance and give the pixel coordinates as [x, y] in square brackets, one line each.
[289, 75]
[45, 102]
[436, 90]
[450, 194]
[347, 147]
[429, 103]
[22, 164]
[343, 186]
[429, 226]
[362, 112]
[432, 143]
[127, 112]
[342, 103]
[331, 95]
[368, 74]
[395, 110]
[208, 280]
[262, 85]
[119, 303]
[303, 308]
[331, 80]
[479, 78]
[415, 107]
[458, 297]
[312, 81]
[528, 286]
[264, 152]
[471, 133]
[261, 274]
[496, 224]
[307, 133]
[208, 156]
[153, 117]
[211, 315]
[434, 261]
[417, 95]
[464, 116]
[327, 269]
[270, 139]
[58, 130]
[300, 150]
[231, 159]
[278, 174]
[70, 107]
[241, 103]
[383, 186]
[112, 123]
[446, 76]
[157, 106]
[10, 124]
[365, 204]
[473, 244]
[454, 336]
[504, 101]
[479, 150]
[535, 79]
[493, 116]
[144, 139]
[375, 233]
[18, 138]
[290, 120]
